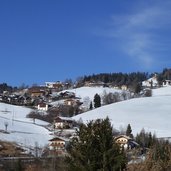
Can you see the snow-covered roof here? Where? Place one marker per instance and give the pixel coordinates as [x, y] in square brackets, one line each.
[123, 136]
[59, 139]
[64, 118]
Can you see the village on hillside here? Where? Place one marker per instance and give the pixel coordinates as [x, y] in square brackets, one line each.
[56, 103]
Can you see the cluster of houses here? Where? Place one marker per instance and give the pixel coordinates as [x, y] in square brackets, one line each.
[60, 142]
[41, 97]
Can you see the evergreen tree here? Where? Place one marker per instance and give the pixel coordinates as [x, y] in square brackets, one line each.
[137, 88]
[145, 139]
[94, 149]
[97, 101]
[91, 105]
[159, 156]
[129, 131]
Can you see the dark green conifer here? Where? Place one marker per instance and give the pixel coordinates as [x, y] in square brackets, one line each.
[97, 101]
[94, 149]
[91, 105]
[129, 131]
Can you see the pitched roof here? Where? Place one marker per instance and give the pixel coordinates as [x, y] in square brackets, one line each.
[123, 136]
[63, 118]
[59, 139]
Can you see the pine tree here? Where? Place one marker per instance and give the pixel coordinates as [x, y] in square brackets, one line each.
[129, 131]
[91, 105]
[97, 101]
[94, 149]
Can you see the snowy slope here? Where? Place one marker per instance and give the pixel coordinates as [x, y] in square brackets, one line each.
[86, 94]
[21, 129]
[163, 91]
[151, 113]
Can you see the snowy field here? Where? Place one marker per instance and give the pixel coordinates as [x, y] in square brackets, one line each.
[21, 129]
[151, 113]
[86, 94]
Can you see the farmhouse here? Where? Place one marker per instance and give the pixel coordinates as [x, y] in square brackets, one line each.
[42, 106]
[124, 87]
[72, 102]
[58, 145]
[125, 141]
[63, 123]
[36, 91]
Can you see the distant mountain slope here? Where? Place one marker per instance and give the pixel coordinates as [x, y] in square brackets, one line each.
[21, 129]
[152, 113]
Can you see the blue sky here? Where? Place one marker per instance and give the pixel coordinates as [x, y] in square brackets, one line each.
[43, 40]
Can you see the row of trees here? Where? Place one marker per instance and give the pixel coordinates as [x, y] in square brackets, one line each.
[10, 89]
[6, 87]
[164, 75]
[118, 78]
[129, 79]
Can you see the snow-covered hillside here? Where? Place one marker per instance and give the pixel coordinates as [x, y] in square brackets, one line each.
[21, 129]
[151, 113]
[86, 94]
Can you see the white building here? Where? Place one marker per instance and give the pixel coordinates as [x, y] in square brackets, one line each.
[42, 106]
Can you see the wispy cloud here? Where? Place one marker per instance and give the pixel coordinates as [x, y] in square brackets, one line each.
[143, 35]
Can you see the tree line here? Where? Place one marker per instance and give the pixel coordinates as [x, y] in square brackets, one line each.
[6, 87]
[164, 75]
[118, 79]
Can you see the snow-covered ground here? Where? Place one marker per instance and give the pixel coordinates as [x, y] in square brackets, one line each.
[151, 113]
[86, 94]
[22, 130]
[163, 91]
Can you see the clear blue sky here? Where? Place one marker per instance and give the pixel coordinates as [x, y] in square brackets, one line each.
[51, 40]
